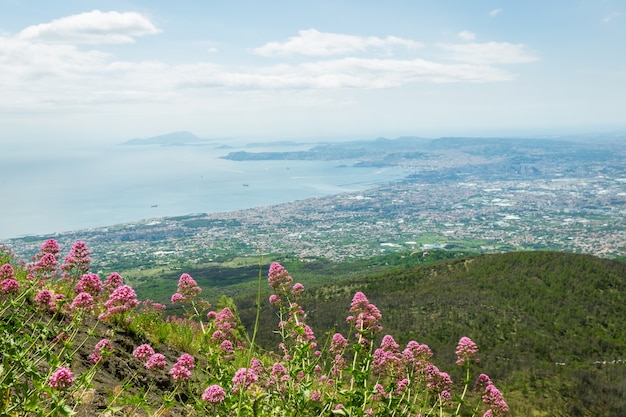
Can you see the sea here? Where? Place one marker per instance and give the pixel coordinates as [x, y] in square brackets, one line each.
[54, 190]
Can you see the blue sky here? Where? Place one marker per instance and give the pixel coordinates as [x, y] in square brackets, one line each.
[103, 72]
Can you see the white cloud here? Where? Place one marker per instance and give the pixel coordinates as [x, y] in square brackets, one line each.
[52, 76]
[495, 12]
[340, 73]
[311, 42]
[489, 53]
[93, 27]
[466, 35]
[611, 16]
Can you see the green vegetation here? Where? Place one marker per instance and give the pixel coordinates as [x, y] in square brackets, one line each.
[550, 324]
[549, 327]
[52, 314]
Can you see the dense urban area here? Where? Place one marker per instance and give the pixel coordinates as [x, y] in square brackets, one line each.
[482, 195]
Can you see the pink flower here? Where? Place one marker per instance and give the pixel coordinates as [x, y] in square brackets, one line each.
[279, 278]
[9, 286]
[366, 317]
[316, 396]
[113, 281]
[338, 343]
[121, 300]
[493, 397]
[177, 298]
[465, 351]
[77, 262]
[6, 272]
[143, 352]
[482, 381]
[89, 283]
[275, 300]
[181, 371]
[51, 247]
[43, 298]
[46, 266]
[83, 301]
[61, 379]
[188, 287]
[214, 394]
[156, 360]
[103, 346]
[297, 290]
[187, 361]
[438, 381]
[244, 377]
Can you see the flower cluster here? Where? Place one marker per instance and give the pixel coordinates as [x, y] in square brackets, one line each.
[188, 289]
[77, 262]
[8, 284]
[104, 346]
[279, 279]
[214, 394]
[89, 283]
[61, 379]
[181, 371]
[121, 300]
[466, 351]
[492, 398]
[83, 301]
[365, 316]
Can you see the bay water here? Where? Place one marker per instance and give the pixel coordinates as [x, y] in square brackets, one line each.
[45, 191]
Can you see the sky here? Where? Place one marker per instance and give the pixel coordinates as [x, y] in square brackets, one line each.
[82, 71]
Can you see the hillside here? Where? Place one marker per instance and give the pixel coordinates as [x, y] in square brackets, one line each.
[548, 328]
[550, 325]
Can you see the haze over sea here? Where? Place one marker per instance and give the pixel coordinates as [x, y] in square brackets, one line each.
[45, 191]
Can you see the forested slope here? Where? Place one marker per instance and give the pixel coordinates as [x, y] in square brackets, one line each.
[550, 325]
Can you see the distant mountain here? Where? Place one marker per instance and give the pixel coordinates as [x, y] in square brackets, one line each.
[170, 139]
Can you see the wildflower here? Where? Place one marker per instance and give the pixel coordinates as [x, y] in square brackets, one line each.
[338, 344]
[77, 262]
[61, 337]
[6, 272]
[438, 381]
[177, 298]
[89, 283]
[366, 317]
[101, 347]
[465, 351]
[9, 286]
[121, 300]
[83, 301]
[275, 300]
[156, 360]
[187, 361]
[61, 379]
[227, 347]
[181, 371]
[143, 352]
[482, 381]
[297, 290]
[380, 392]
[316, 396]
[244, 377]
[493, 397]
[187, 287]
[51, 247]
[112, 282]
[43, 298]
[279, 278]
[214, 394]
